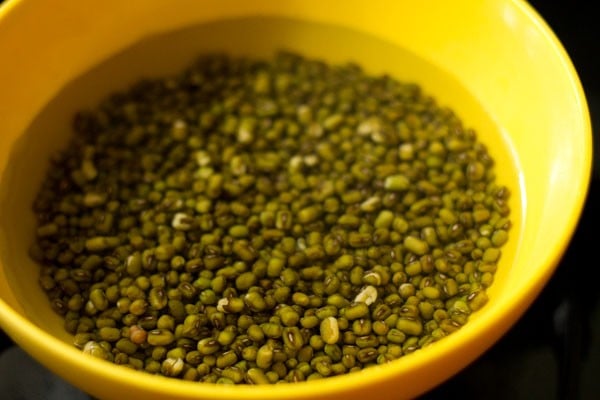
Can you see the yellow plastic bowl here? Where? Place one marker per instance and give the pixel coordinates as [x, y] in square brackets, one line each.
[495, 62]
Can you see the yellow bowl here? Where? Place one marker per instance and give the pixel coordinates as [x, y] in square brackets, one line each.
[495, 62]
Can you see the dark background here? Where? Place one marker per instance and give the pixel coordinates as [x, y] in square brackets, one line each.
[553, 352]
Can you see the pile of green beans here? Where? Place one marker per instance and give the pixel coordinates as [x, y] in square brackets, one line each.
[267, 221]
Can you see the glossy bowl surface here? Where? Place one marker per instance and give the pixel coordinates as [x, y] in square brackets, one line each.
[495, 62]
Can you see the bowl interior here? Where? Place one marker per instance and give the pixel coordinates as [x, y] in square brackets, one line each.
[51, 129]
[512, 84]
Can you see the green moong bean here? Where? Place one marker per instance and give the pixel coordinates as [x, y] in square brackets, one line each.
[329, 330]
[208, 346]
[256, 376]
[264, 356]
[356, 310]
[236, 261]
